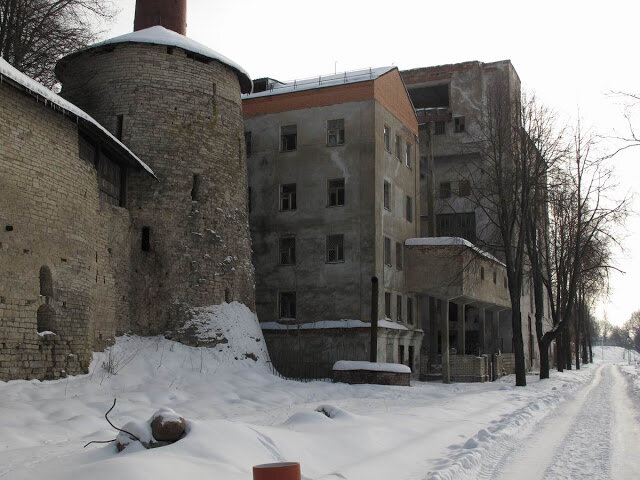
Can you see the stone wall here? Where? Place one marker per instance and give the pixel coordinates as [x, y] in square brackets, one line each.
[183, 117]
[468, 368]
[377, 378]
[63, 253]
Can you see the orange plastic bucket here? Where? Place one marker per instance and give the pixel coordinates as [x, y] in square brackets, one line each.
[277, 471]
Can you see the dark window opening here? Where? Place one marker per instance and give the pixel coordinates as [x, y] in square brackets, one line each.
[112, 181]
[410, 359]
[410, 315]
[387, 195]
[288, 305]
[288, 138]
[495, 277]
[145, 243]
[439, 128]
[409, 209]
[398, 255]
[398, 147]
[387, 251]
[387, 139]
[197, 58]
[335, 248]
[464, 188]
[481, 273]
[169, 50]
[457, 225]
[335, 192]
[119, 126]
[435, 96]
[46, 319]
[195, 189]
[335, 132]
[408, 155]
[287, 249]
[46, 282]
[227, 295]
[247, 143]
[445, 189]
[288, 197]
[399, 308]
[387, 304]
[401, 354]
[459, 124]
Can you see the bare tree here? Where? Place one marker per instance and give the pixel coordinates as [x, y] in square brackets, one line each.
[34, 34]
[631, 138]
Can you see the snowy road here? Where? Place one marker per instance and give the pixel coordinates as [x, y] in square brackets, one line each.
[594, 436]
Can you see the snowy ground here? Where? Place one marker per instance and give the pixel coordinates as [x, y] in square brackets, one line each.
[579, 424]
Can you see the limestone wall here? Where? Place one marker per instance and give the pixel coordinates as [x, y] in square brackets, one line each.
[183, 117]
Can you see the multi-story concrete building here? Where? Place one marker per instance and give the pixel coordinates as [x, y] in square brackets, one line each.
[450, 102]
[334, 195]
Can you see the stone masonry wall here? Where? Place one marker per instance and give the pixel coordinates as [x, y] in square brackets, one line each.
[183, 117]
[51, 217]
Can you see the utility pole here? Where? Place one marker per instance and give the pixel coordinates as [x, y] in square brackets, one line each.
[373, 353]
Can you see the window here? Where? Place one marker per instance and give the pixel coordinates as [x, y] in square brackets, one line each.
[288, 197]
[387, 195]
[459, 124]
[335, 132]
[408, 153]
[288, 305]
[409, 209]
[481, 273]
[247, 143]
[398, 147]
[464, 188]
[401, 354]
[387, 139]
[457, 225]
[387, 251]
[398, 255]
[287, 249]
[494, 277]
[145, 240]
[445, 189]
[399, 308]
[195, 188]
[387, 304]
[410, 312]
[111, 177]
[504, 281]
[335, 248]
[335, 192]
[439, 128]
[119, 126]
[46, 282]
[288, 138]
[46, 319]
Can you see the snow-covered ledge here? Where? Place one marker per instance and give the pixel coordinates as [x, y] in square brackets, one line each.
[353, 372]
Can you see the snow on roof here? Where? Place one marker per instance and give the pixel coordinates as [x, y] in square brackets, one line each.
[345, 323]
[371, 366]
[37, 88]
[448, 242]
[159, 35]
[323, 81]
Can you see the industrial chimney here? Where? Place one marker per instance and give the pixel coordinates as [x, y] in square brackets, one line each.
[171, 14]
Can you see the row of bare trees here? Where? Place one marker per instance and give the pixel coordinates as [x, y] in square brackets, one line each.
[548, 195]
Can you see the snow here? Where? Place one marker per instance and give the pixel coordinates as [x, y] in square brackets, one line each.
[159, 35]
[239, 414]
[449, 242]
[46, 333]
[33, 86]
[343, 323]
[371, 366]
[323, 81]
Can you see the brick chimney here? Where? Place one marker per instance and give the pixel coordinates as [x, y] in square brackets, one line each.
[171, 14]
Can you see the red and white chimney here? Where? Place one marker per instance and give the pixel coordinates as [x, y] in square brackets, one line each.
[171, 14]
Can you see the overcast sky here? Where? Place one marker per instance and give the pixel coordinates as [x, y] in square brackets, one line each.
[570, 53]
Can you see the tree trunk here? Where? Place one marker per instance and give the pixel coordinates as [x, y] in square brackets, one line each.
[566, 338]
[560, 356]
[577, 338]
[518, 348]
[544, 359]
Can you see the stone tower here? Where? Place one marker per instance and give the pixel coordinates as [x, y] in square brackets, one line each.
[176, 104]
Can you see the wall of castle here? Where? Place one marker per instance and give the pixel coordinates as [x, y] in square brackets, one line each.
[182, 116]
[63, 252]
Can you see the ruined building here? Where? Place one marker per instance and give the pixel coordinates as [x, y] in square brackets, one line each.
[97, 240]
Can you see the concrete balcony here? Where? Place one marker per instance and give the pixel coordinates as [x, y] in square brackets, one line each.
[453, 269]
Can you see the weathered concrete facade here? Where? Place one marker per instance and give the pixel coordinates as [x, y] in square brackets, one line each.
[328, 288]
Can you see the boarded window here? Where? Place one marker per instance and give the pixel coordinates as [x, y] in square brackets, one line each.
[86, 150]
[445, 189]
[335, 132]
[335, 248]
[457, 225]
[464, 188]
[287, 249]
[111, 178]
[459, 124]
[335, 192]
[288, 138]
[288, 305]
[439, 128]
[288, 196]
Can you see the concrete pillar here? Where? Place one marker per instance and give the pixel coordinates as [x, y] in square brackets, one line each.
[483, 329]
[444, 332]
[434, 326]
[462, 328]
